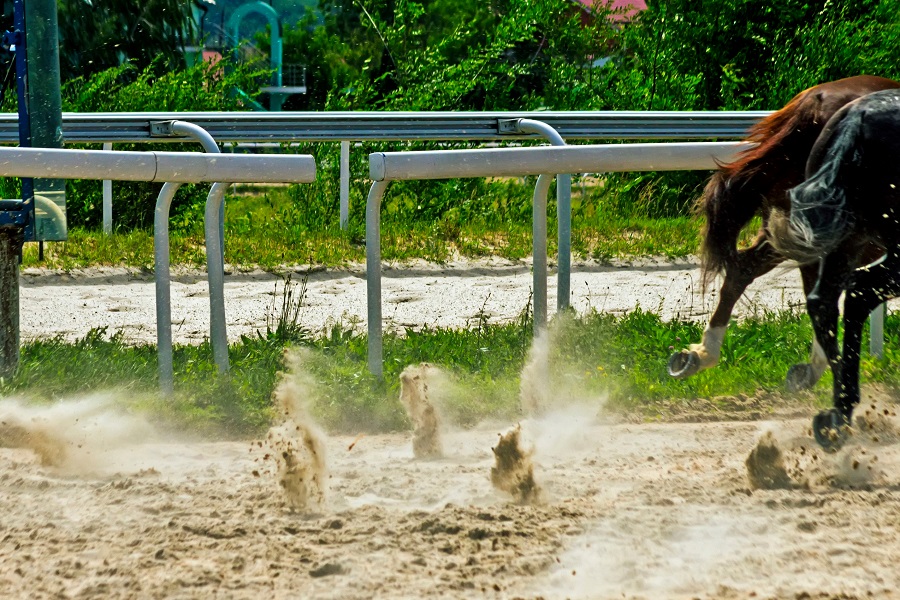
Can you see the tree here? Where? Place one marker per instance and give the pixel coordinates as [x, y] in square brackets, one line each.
[752, 54]
[96, 35]
[448, 55]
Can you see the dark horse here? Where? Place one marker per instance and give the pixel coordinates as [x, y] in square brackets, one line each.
[756, 184]
[849, 201]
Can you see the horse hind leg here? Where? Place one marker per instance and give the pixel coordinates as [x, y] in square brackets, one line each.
[803, 376]
[835, 272]
[751, 263]
[870, 286]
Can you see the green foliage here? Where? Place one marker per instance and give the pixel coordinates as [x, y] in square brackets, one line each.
[676, 55]
[126, 88]
[440, 55]
[751, 54]
[844, 38]
[95, 36]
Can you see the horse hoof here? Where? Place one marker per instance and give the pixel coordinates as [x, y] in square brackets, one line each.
[831, 429]
[684, 364]
[800, 377]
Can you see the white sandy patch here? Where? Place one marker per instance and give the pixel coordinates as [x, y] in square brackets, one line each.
[456, 294]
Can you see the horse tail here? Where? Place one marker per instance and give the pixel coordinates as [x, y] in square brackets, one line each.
[723, 221]
[734, 194]
[819, 218]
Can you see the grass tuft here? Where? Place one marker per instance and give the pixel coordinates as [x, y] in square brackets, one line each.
[617, 362]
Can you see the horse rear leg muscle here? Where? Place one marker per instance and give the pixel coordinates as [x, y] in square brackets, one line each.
[749, 264]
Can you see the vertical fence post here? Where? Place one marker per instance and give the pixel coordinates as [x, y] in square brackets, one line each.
[876, 331]
[107, 199]
[345, 185]
[10, 246]
[163, 289]
[539, 251]
[563, 214]
[215, 273]
[373, 277]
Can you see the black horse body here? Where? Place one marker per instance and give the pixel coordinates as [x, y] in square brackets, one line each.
[849, 201]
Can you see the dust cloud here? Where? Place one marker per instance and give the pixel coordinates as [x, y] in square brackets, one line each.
[559, 412]
[513, 470]
[417, 386]
[877, 421]
[297, 443]
[74, 437]
[785, 458]
[534, 381]
[765, 465]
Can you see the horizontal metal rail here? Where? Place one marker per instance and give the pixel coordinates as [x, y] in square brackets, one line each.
[385, 167]
[511, 162]
[397, 126]
[176, 167]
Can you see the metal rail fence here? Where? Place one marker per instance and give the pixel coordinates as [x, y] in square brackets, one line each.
[545, 161]
[397, 126]
[172, 168]
[255, 127]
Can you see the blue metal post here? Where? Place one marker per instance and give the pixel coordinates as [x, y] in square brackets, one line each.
[24, 114]
[14, 215]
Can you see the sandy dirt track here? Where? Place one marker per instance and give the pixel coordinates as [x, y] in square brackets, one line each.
[626, 510]
[413, 295]
[636, 511]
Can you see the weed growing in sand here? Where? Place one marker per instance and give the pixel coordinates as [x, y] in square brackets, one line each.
[620, 359]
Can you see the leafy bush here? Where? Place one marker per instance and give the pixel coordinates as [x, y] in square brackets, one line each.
[504, 55]
[203, 87]
[676, 55]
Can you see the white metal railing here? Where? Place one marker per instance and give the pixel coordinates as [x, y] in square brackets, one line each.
[321, 126]
[215, 266]
[173, 168]
[182, 167]
[544, 161]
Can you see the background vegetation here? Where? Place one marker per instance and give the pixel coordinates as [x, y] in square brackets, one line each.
[124, 55]
[469, 55]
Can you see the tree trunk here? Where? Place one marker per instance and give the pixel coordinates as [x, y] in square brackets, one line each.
[10, 243]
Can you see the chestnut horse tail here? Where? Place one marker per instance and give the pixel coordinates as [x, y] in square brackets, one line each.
[723, 223]
[819, 219]
[736, 192]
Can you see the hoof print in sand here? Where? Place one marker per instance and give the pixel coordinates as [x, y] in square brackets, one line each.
[513, 471]
[414, 386]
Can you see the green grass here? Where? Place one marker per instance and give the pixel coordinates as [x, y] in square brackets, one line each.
[619, 361]
[274, 229]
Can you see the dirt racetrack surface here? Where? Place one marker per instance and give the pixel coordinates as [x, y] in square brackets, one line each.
[98, 505]
[628, 510]
[455, 294]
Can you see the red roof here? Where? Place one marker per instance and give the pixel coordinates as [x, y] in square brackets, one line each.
[631, 7]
